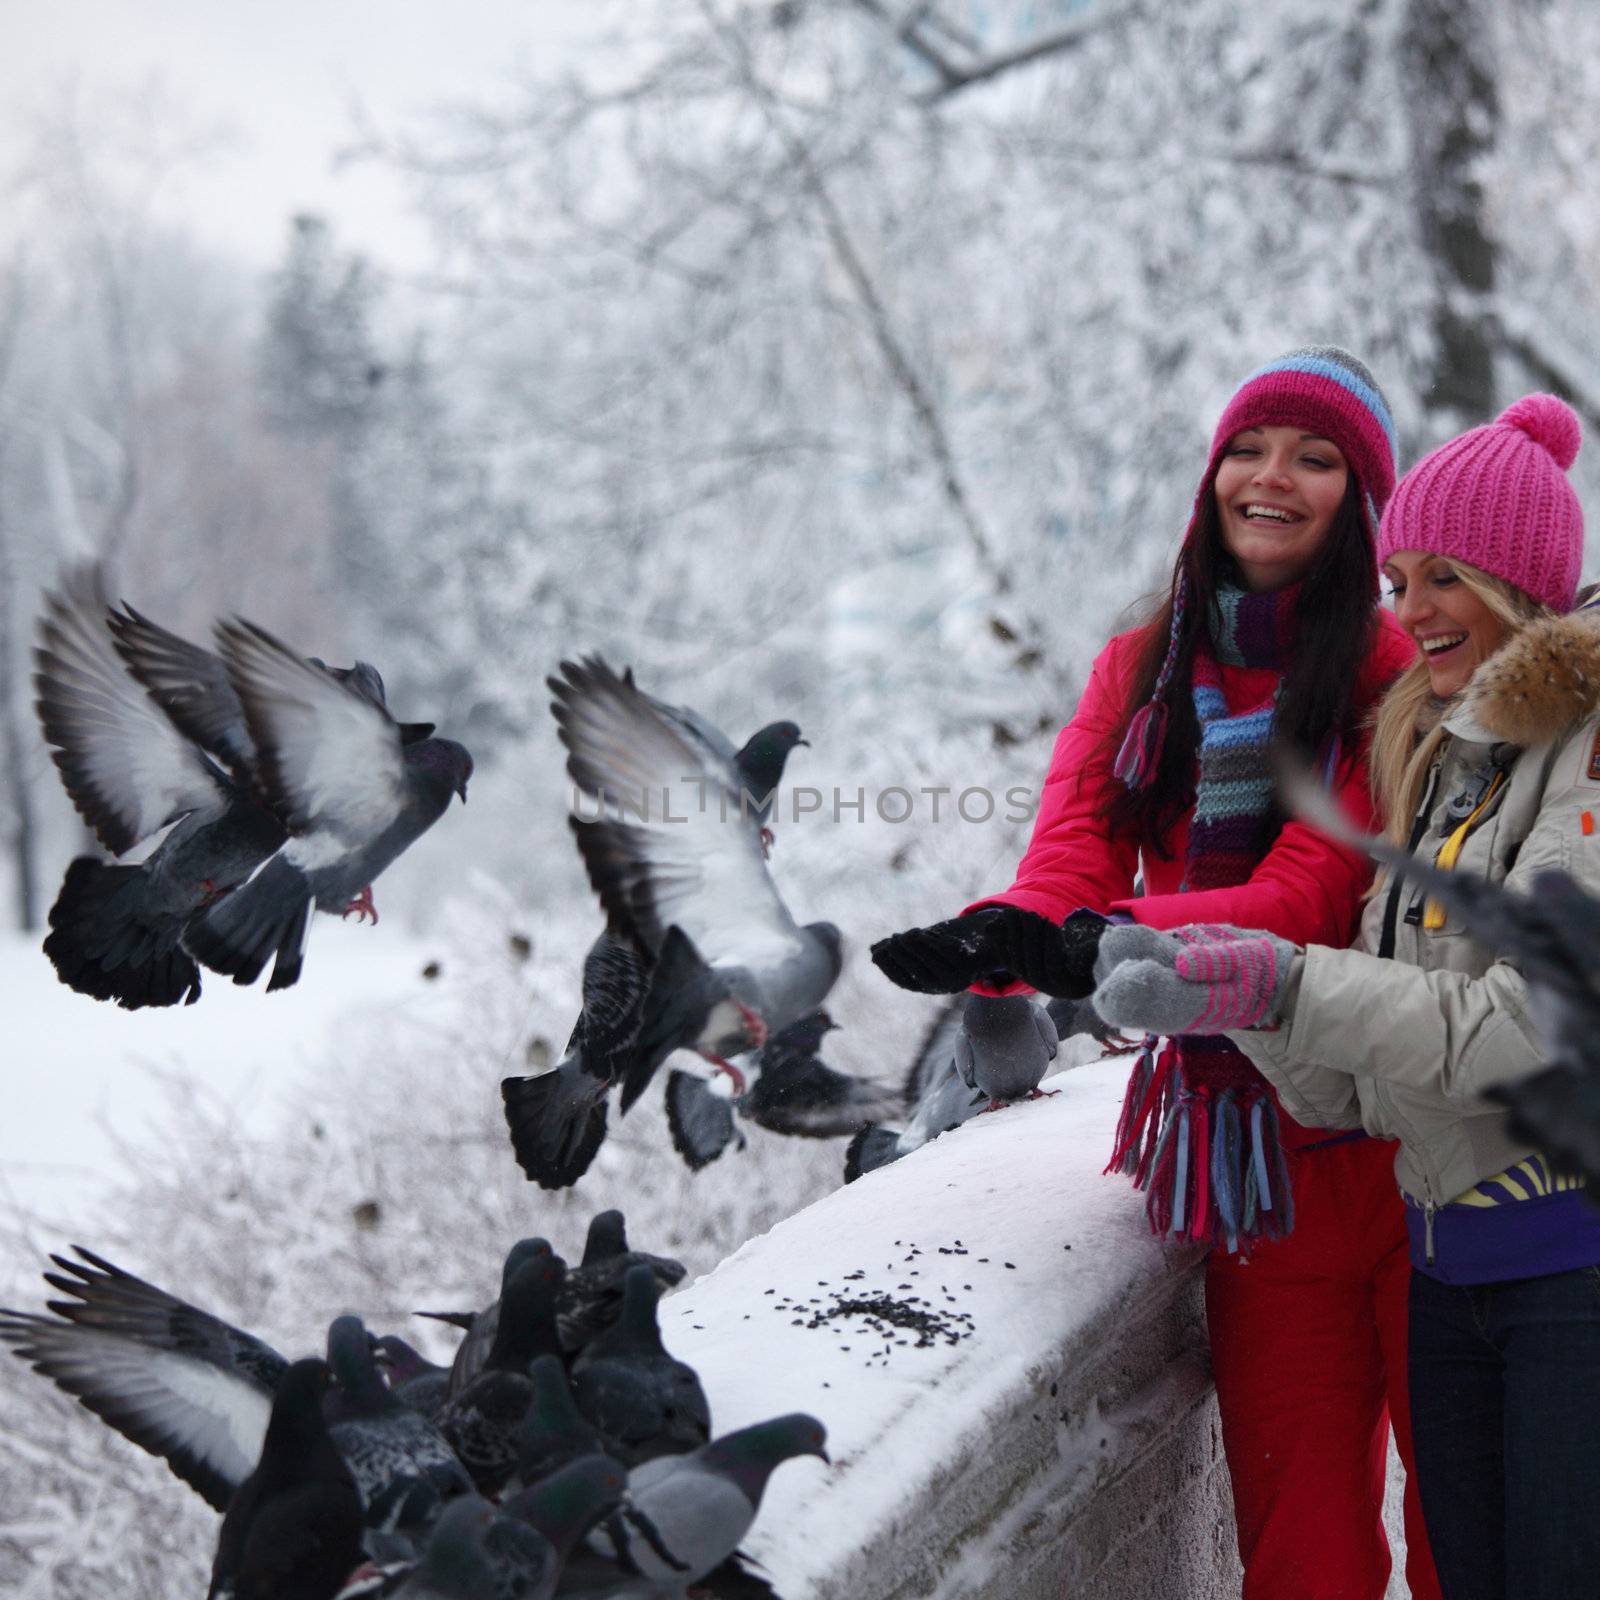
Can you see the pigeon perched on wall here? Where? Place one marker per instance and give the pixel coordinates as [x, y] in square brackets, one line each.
[643, 1401]
[687, 881]
[791, 1091]
[483, 1420]
[1005, 1047]
[294, 1526]
[130, 771]
[402, 1464]
[553, 1431]
[686, 1514]
[591, 1298]
[481, 1326]
[557, 1120]
[352, 794]
[419, 1383]
[936, 1096]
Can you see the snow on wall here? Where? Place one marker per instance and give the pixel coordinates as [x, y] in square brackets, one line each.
[1065, 1435]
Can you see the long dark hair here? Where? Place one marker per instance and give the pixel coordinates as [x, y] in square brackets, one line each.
[1336, 620]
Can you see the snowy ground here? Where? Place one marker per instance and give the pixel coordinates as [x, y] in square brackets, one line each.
[84, 1077]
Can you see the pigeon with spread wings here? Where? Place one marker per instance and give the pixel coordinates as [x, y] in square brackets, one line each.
[131, 771]
[353, 795]
[685, 876]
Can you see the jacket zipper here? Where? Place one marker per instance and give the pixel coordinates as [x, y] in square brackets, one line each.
[1427, 1230]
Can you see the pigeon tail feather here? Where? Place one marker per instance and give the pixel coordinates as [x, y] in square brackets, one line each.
[105, 941]
[261, 919]
[557, 1123]
[871, 1148]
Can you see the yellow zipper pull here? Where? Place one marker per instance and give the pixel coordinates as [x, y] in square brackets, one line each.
[1450, 850]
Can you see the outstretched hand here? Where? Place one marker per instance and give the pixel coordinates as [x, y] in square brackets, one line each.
[1206, 978]
[996, 944]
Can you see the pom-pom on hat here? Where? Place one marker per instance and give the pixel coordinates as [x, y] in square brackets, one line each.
[1497, 498]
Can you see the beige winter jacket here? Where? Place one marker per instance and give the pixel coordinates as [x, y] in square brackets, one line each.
[1405, 1047]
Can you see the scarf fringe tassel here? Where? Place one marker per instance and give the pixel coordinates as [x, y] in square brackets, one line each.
[1212, 1166]
[1141, 746]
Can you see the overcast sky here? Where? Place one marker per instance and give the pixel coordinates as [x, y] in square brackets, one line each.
[281, 75]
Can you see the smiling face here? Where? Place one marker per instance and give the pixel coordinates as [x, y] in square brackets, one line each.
[1453, 628]
[1278, 491]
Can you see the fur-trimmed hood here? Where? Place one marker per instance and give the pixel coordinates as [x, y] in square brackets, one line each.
[1540, 684]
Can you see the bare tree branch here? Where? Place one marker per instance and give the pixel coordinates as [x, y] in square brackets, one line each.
[913, 32]
[854, 268]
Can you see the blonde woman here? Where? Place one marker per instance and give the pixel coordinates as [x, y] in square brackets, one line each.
[1486, 760]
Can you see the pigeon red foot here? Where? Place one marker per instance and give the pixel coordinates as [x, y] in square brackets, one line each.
[362, 907]
[735, 1076]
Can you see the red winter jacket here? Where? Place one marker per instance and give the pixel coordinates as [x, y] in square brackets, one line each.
[1306, 888]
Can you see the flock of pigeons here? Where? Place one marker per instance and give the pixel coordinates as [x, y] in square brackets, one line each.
[371, 1472]
[278, 783]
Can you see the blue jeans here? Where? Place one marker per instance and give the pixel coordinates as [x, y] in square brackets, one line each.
[1505, 1412]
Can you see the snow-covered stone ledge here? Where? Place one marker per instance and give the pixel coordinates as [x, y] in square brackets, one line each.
[1068, 1443]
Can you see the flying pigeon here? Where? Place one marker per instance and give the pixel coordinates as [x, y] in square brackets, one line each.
[686, 1514]
[643, 1401]
[115, 929]
[557, 1120]
[294, 1525]
[198, 1392]
[352, 794]
[175, 1380]
[1005, 1047]
[193, 687]
[936, 1095]
[688, 882]
[759, 762]
[791, 1091]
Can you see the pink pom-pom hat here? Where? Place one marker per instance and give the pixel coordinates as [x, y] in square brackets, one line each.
[1497, 498]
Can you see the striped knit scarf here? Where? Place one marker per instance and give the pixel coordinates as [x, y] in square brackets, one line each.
[1233, 794]
[1199, 1128]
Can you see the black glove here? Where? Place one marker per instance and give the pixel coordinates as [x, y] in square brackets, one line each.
[1054, 960]
[995, 945]
[944, 958]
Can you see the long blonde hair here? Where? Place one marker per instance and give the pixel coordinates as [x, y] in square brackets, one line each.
[1407, 727]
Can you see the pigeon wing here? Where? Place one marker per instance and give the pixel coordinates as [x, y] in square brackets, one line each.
[936, 1052]
[190, 684]
[127, 769]
[701, 1123]
[693, 859]
[173, 1379]
[330, 758]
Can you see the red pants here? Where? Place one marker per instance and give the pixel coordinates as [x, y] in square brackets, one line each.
[1308, 1338]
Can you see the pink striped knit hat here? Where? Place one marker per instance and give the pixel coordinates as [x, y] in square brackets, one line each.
[1323, 390]
[1498, 499]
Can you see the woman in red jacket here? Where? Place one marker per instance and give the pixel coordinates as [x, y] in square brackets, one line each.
[1271, 627]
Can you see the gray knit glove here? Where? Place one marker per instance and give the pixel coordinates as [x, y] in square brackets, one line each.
[1205, 978]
